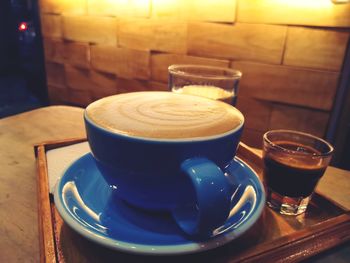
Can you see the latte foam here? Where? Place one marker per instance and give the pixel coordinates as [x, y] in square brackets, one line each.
[164, 115]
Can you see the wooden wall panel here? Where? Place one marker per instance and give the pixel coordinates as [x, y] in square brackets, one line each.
[57, 95]
[78, 79]
[55, 74]
[315, 48]
[128, 63]
[306, 120]
[97, 48]
[77, 54]
[170, 36]
[161, 62]
[130, 85]
[134, 8]
[80, 98]
[214, 10]
[132, 63]
[154, 85]
[253, 138]
[102, 7]
[90, 29]
[294, 12]
[103, 84]
[257, 113]
[103, 58]
[53, 50]
[51, 26]
[310, 88]
[240, 41]
[153, 34]
[209, 10]
[76, 7]
[135, 33]
[172, 8]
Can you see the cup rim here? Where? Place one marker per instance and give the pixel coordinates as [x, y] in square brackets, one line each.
[166, 140]
[170, 140]
[275, 146]
[175, 69]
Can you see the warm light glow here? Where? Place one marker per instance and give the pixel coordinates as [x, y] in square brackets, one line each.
[130, 2]
[23, 26]
[341, 1]
[165, 3]
[310, 4]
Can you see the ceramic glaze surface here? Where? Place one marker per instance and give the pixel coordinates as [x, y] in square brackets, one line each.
[89, 205]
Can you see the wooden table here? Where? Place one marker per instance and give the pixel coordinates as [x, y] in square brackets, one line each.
[18, 196]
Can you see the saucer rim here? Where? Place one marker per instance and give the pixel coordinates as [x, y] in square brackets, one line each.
[142, 249]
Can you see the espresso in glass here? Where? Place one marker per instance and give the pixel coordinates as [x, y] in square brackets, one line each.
[294, 162]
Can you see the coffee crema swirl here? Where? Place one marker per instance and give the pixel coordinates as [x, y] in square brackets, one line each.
[164, 115]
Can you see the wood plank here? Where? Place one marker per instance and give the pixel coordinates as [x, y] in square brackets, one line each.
[133, 63]
[73, 53]
[130, 85]
[102, 7]
[103, 58]
[157, 86]
[51, 26]
[57, 95]
[209, 10]
[134, 8]
[294, 12]
[170, 36]
[53, 50]
[77, 78]
[46, 235]
[315, 48]
[214, 10]
[126, 63]
[167, 35]
[297, 86]
[293, 118]
[135, 33]
[76, 7]
[175, 9]
[240, 41]
[80, 98]
[104, 84]
[55, 74]
[77, 54]
[92, 29]
[252, 137]
[161, 62]
[256, 112]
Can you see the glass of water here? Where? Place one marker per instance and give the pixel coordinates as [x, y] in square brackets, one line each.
[207, 81]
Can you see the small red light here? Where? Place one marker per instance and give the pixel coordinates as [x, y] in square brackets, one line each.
[23, 26]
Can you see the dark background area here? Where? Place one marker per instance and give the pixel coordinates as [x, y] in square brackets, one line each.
[22, 74]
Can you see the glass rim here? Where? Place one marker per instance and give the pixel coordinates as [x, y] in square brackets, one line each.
[275, 146]
[178, 69]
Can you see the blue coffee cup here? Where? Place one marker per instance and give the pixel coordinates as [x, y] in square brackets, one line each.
[183, 176]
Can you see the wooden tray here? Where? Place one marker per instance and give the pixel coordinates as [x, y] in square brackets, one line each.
[274, 238]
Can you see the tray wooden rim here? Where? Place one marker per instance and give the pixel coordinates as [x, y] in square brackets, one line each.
[290, 248]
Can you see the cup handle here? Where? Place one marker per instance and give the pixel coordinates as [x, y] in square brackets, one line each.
[213, 198]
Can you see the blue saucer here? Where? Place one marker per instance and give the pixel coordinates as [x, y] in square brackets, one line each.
[88, 205]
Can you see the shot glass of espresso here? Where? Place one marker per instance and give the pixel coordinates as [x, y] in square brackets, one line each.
[216, 83]
[294, 162]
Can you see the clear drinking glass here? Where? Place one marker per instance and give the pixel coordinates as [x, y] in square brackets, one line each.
[294, 162]
[206, 81]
